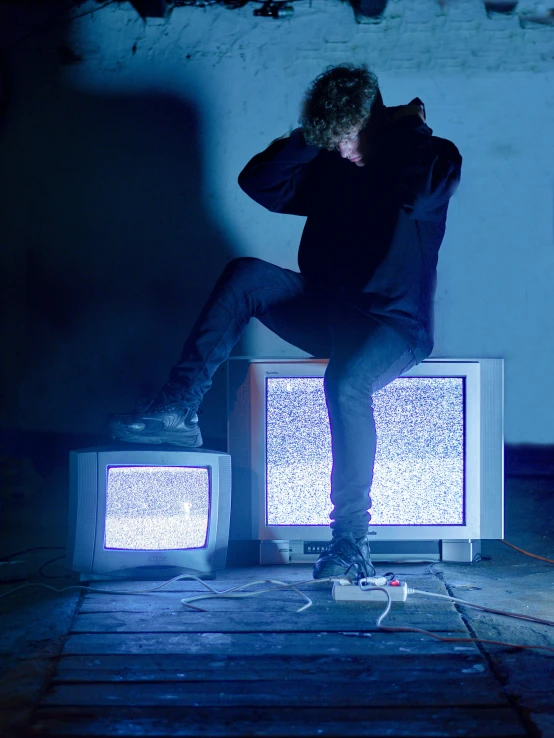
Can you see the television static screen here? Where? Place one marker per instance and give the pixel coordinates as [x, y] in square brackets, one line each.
[419, 466]
[156, 508]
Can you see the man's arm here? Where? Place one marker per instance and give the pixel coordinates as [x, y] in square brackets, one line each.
[425, 169]
[278, 178]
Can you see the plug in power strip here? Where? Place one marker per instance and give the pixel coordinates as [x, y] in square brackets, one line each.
[13, 571]
[354, 593]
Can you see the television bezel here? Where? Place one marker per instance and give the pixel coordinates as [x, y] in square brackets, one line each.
[483, 458]
[89, 472]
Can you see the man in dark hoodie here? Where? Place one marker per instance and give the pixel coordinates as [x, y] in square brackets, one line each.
[374, 185]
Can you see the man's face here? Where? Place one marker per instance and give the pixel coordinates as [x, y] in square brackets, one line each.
[353, 147]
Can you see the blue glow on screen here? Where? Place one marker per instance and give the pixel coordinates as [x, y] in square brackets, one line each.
[419, 466]
[157, 508]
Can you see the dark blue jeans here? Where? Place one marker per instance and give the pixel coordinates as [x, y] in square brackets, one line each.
[364, 355]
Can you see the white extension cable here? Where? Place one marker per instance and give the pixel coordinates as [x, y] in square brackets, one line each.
[372, 589]
[391, 592]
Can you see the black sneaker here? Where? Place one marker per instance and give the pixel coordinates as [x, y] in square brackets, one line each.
[158, 423]
[345, 556]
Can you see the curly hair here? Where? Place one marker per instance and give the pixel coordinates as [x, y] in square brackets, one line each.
[338, 101]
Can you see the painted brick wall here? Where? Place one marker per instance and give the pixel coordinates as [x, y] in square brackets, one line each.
[121, 149]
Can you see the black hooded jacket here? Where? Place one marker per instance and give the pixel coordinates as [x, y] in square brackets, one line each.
[372, 233]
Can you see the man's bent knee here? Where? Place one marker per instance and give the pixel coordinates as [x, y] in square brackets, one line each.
[245, 265]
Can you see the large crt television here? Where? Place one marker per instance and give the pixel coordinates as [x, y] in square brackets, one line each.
[439, 470]
[148, 513]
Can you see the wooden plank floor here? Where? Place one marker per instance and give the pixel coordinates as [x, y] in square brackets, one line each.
[146, 665]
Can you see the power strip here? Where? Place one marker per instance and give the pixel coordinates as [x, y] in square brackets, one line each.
[354, 593]
[13, 571]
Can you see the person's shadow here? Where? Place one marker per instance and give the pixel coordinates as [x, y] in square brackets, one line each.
[114, 248]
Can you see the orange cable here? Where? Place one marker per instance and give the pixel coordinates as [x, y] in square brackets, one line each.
[521, 550]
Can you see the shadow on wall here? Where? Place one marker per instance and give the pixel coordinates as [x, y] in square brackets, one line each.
[110, 252]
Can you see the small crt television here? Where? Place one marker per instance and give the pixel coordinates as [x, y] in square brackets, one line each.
[438, 475]
[150, 512]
